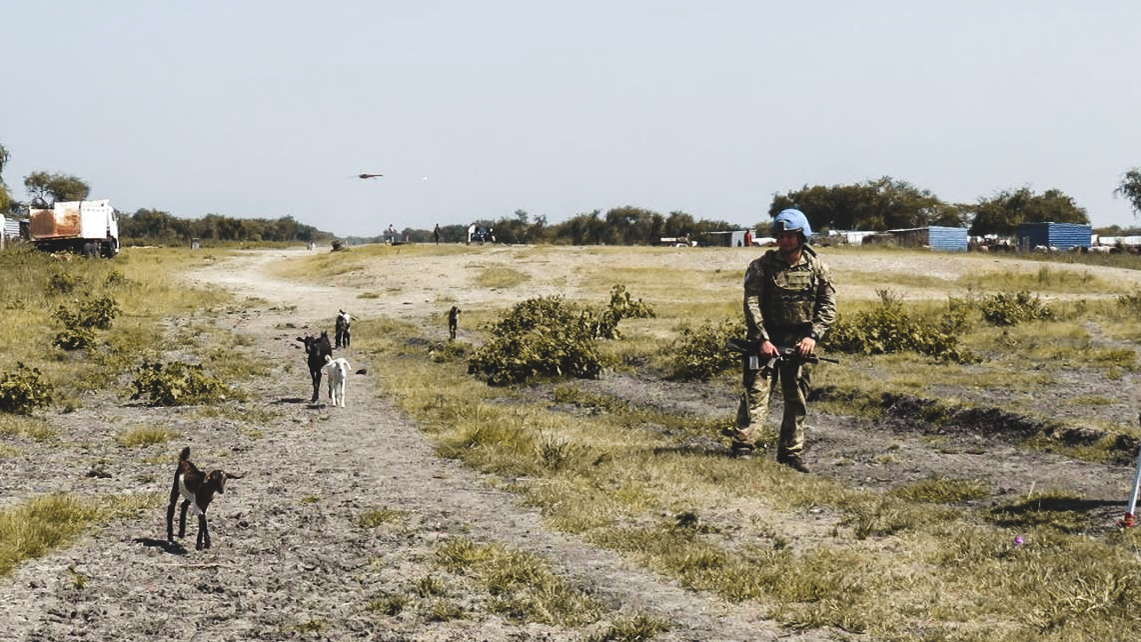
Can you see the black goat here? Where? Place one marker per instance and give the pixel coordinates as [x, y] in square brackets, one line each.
[453, 321]
[197, 488]
[317, 348]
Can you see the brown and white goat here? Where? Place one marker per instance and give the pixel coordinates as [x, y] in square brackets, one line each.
[196, 489]
[317, 348]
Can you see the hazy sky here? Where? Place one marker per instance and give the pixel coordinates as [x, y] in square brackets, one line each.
[478, 108]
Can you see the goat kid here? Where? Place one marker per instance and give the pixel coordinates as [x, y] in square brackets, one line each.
[338, 372]
[343, 324]
[196, 489]
[317, 349]
[453, 321]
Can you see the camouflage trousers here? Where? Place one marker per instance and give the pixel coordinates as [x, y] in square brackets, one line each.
[794, 379]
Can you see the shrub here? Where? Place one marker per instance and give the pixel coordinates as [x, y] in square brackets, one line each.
[24, 390]
[80, 325]
[63, 283]
[74, 338]
[622, 306]
[177, 384]
[700, 353]
[545, 336]
[888, 328]
[1131, 302]
[1004, 309]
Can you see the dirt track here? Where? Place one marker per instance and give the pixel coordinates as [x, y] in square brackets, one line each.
[288, 554]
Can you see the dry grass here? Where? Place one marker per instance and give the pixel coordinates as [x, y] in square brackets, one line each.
[605, 469]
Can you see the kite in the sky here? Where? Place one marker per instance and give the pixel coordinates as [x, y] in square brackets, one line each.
[369, 175]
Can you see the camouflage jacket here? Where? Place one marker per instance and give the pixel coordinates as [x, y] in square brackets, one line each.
[783, 298]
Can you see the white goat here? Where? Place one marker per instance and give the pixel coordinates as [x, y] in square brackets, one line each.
[338, 373]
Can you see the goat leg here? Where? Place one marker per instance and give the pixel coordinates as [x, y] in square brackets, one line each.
[170, 520]
[182, 518]
[316, 387]
[174, 493]
[203, 533]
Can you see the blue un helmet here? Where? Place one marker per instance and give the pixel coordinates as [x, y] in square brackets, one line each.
[792, 220]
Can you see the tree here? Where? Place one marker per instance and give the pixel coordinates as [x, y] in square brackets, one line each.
[1003, 213]
[5, 199]
[1130, 188]
[47, 189]
[630, 225]
[881, 204]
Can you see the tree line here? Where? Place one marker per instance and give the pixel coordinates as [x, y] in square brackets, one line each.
[875, 205]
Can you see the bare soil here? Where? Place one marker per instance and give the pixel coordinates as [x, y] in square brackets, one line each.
[290, 561]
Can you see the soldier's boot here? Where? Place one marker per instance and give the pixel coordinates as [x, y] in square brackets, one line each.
[793, 461]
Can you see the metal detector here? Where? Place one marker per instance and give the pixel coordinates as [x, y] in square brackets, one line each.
[1127, 521]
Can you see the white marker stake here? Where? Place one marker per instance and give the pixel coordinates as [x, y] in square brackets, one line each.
[1127, 521]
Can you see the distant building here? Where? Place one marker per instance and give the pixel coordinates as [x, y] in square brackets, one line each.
[734, 238]
[1059, 236]
[935, 237]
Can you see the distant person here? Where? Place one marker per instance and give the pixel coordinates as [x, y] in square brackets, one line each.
[471, 232]
[453, 322]
[436, 234]
[790, 302]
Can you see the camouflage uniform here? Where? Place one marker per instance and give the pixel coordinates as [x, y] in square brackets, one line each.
[783, 304]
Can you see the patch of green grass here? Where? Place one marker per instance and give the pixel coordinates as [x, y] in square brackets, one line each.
[1052, 278]
[388, 604]
[1061, 510]
[34, 527]
[631, 629]
[500, 277]
[443, 611]
[940, 490]
[32, 428]
[376, 517]
[145, 437]
[428, 586]
[522, 586]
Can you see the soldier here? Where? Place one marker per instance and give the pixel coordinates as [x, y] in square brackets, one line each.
[790, 302]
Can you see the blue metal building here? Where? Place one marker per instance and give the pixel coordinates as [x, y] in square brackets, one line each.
[946, 239]
[1062, 236]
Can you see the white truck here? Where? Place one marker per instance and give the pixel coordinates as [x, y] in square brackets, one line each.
[90, 228]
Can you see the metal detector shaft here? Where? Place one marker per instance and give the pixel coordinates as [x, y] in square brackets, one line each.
[1128, 520]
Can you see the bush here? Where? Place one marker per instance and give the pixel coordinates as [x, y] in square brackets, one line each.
[1004, 309]
[700, 353]
[539, 337]
[80, 325]
[888, 328]
[74, 338]
[24, 390]
[1131, 302]
[177, 384]
[622, 306]
[63, 283]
